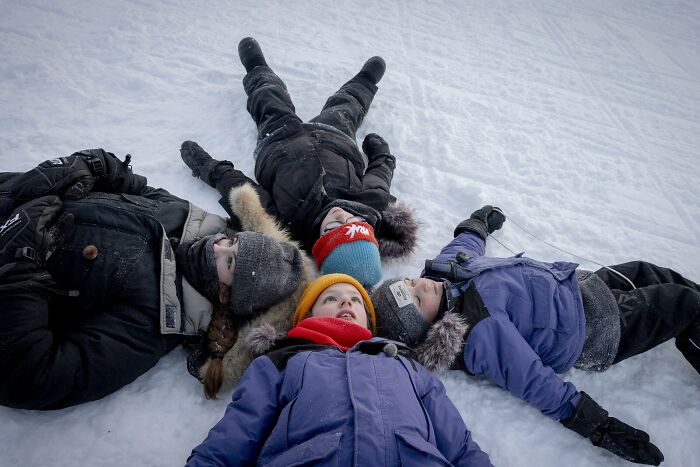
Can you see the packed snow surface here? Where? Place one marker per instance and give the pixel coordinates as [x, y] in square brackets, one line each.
[581, 120]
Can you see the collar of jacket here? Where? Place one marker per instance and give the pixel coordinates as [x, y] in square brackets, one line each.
[444, 342]
[193, 314]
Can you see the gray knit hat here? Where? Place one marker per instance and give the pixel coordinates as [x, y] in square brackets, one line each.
[267, 271]
[195, 258]
[397, 317]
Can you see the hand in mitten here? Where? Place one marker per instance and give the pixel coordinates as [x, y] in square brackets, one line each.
[374, 145]
[69, 177]
[592, 421]
[30, 236]
[482, 222]
[73, 177]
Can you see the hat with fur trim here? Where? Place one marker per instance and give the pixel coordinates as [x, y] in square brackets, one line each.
[350, 249]
[315, 288]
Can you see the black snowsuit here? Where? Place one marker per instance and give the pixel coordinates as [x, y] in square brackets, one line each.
[304, 169]
[58, 350]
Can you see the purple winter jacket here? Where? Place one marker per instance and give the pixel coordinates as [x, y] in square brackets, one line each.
[534, 327]
[314, 404]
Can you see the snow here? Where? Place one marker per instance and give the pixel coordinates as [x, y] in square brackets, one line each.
[581, 120]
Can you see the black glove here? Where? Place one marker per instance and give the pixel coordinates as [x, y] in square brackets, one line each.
[374, 145]
[27, 241]
[482, 222]
[73, 177]
[591, 421]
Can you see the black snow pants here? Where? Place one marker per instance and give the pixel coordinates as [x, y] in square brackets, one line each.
[664, 305]
[271, 107]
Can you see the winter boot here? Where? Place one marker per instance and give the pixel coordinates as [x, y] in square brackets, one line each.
[373, 70]
[200, 162]
[250, 54]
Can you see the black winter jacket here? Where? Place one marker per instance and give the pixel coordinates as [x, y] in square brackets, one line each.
[305, 167]
[58, 350]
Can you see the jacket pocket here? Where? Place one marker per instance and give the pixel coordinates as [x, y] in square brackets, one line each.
[551, 306]
[319, 450]
[415, 451]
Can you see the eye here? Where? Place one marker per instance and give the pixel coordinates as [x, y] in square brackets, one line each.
[330, 226]
[356, 299]
[329, 298]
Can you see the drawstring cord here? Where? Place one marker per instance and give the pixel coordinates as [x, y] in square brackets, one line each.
[560, 249]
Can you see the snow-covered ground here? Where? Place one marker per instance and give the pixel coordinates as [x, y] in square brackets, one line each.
[580, 119]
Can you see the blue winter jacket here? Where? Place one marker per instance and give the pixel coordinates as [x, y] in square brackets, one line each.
[533, 325]
[314, 404]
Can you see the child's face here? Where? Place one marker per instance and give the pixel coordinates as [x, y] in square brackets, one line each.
[337, 217]
[225, 253]
[427, 295]
[342, 301]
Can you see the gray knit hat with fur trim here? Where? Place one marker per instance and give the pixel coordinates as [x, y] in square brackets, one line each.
[398, 318]
[267, 271]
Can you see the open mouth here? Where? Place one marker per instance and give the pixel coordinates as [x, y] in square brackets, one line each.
[346, 314]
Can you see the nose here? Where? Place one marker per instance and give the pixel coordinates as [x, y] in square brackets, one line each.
[221, 248]
[344, 301]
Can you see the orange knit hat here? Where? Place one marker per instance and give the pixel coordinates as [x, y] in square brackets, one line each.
[315, 288]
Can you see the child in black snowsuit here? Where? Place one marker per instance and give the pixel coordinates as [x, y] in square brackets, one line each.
[312, 175]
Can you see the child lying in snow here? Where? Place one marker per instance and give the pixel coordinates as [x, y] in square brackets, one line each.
[313, 177]
[330, 394]
[518, 322]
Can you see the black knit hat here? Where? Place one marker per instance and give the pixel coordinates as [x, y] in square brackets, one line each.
[267, 271]
[398, 318]
[195, 258]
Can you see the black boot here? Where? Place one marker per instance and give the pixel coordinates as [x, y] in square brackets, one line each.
[373, 70]
[199, 161]
[250, 53]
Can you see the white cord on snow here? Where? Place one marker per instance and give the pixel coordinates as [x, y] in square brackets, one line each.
[560, 249]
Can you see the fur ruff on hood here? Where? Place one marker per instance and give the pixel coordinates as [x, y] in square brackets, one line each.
[245, 203]
[398, 233]
[444, 342]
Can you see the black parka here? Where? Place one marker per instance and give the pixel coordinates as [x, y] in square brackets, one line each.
[305, 167]
[59, 349]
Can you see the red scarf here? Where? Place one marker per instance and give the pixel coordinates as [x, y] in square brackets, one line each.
[330, 331]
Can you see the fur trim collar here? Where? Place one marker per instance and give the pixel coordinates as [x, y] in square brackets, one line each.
[258, 335]
[398, 233]
[443, 344]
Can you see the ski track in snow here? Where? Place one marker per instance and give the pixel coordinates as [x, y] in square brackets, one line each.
[580, 119]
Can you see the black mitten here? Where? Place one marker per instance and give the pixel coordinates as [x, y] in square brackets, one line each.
[482, 222]
[374, 145]
[73, 177]
[591, 421]
[27, 241]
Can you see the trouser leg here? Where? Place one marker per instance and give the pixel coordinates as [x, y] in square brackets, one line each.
[346, 109]
[269, 103]
[664, 305]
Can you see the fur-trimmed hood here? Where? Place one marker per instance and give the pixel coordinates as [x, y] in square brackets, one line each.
[437, 353]
[398, 232]
[444, 342]
[245, 203]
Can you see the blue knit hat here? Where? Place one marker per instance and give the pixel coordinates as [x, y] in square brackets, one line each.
[350, 249]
